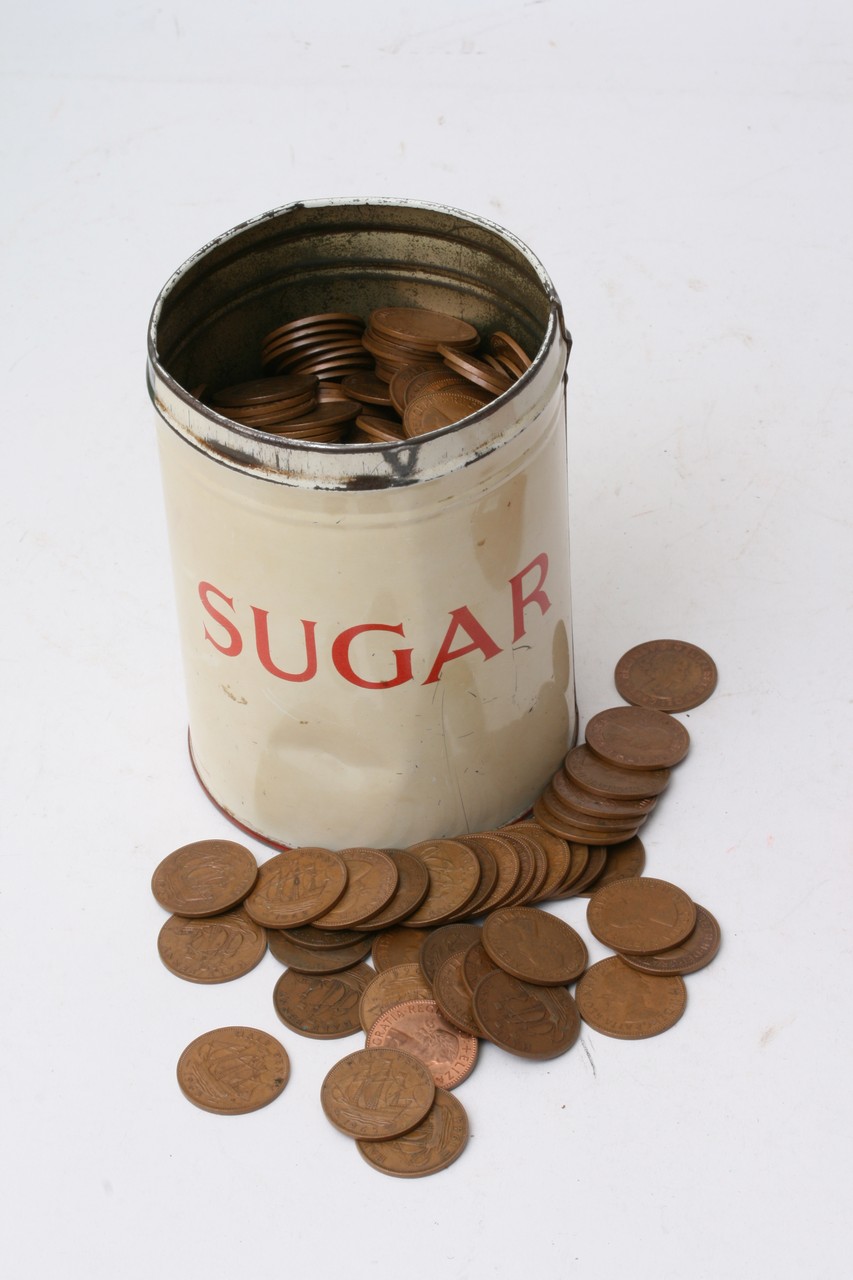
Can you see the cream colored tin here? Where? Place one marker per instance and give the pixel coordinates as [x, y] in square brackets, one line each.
[376, 638]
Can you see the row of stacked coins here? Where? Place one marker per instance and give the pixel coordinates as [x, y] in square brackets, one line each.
[329, 379]
[439, 982]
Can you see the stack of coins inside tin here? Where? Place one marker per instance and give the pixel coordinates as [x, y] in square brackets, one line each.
[330, 378]
[462, 950]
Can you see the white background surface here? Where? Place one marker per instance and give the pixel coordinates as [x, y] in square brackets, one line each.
[684, 174]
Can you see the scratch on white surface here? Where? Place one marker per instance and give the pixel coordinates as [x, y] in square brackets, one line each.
[589, 1057]
[771, 1032]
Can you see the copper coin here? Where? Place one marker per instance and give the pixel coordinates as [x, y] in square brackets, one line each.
[533, 1022]
[642, 915]
[558, 854]
[421, 327]
[296, 887]
[571, 832]
[602, 779]
[318, 321]
[262, 391]
[529, 868]
[621, 861]
[636, 738]
[380, 429]
[453, 996]
[233, 1070]
[322, 1006]
[585, 821]
[443, 942]
[488, 875]
[666, 675]
[503, 345]
[400, 982]
[569, 793]
[454, 874]
[410, 383]
[697, 950]
[204, 878]
[535, 946]
[412, 888]
[476, 963]
[398, 946]
[437, 409]
[596, 861]
[270, 419]
[420, 1028]
[322, 939]
[576, 872]
[540, 870]
[431, 1146]
[618, 1001]
[508, 866]
[371, 883]
[316, 959]
[367, 388]
[377, 1093]
[212, 948]
[476, 371]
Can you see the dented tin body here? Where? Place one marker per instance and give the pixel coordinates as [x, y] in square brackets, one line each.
[376, 638]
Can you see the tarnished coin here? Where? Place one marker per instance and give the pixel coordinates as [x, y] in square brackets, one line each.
[435, 409]
[212, 948]
[508, 866]
[322, 1007]
[602, 779]
[586, 821]
[420, 1028]
[452, 995]
[371, 883]
[488, 876]
[476, 963]
[576, 872]
[571, 832]
[233, 1070]
[621, 861]
[697, 950]
[454, 874]
[431, 1146]
[535, 946]
[596, 861]
[204, 878]
[618, 1001]
[443, 942]
[503, 345]
[636, 738]
[412, 888]
[641, 915]
[558, 855]
[400, 982]
[398, 946]
[322, 939]
[296, 887]
[581, 801]
[666, 675]
[418, 326]
[533, 1022]
[377, 1093]
[530, 867]
[316, 959]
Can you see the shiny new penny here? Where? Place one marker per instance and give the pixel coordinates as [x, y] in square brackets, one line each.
[233, 1070]
[322, 1007]
[371, 884]
[420, 1028]
[454, 874]
[204, 878]
[443, 942]
[398, 946]
[697, 950]
[666, 675]
[316, 959]
[431, 1146]
[618, 1001]
[641, 915]
[400, 982]
[412, 888]
[212, 948]
[533, 1022]
[621, 861]
[534, 946]
[602, 779]
[452, 995]
[296, 887]
[377, 1093]
[636, 738]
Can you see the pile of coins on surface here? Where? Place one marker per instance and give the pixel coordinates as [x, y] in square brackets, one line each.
[440, 981]
[411, 370]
